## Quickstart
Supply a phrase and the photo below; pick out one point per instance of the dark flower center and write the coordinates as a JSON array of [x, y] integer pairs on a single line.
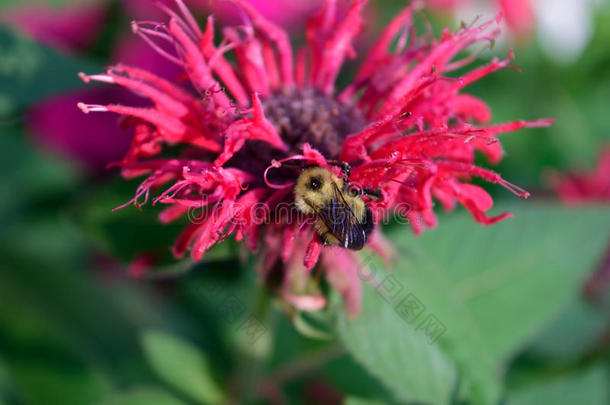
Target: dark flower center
[[309, 116], [301, 116]]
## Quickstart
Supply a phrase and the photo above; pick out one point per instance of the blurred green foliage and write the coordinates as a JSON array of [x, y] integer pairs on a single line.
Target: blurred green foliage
[[75, 330], [30, 72], [11, 4]]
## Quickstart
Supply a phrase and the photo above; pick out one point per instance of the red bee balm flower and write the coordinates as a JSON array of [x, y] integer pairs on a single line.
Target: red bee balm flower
[[247, 129]]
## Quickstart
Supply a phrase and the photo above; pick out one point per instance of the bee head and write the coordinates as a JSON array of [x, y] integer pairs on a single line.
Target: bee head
[[314, 188], [315, 183]]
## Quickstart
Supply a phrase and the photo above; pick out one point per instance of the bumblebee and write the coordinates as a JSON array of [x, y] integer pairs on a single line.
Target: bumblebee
[[342, 218]]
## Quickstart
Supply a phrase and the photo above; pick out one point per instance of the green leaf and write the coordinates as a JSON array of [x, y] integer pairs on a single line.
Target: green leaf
[[143, 396], [8, 4], [396, 353], [49, 301], [418, 335], [588, 386], [30, 72], [361, 401], [480, 293], [516, 276], [5, 378], [579, 325], [55, 383], [181, 365], [31, 181], [350, 377]]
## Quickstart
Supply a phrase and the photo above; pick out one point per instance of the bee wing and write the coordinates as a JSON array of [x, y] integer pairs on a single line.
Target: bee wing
[[341, 221]]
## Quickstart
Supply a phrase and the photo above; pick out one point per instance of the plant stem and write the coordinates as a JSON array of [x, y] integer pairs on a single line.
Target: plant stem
[[249, 366]]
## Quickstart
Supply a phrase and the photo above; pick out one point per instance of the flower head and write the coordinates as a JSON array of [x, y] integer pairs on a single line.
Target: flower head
[[240, 131]]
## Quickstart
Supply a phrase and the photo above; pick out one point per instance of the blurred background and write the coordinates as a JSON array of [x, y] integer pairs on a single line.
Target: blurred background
[[83, 319]]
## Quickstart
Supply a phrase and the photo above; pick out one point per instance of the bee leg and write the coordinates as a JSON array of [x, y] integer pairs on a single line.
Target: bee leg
[[344, 166], [324, 238]]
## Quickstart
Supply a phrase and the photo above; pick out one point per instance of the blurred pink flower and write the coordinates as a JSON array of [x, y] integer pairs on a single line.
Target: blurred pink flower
[[288, 14], [585, 186], [58, 126], [445, 5], [519, 15], [73, 27]]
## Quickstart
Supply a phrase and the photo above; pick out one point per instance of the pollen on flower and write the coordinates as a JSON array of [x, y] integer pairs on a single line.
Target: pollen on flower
[[247, 125]]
